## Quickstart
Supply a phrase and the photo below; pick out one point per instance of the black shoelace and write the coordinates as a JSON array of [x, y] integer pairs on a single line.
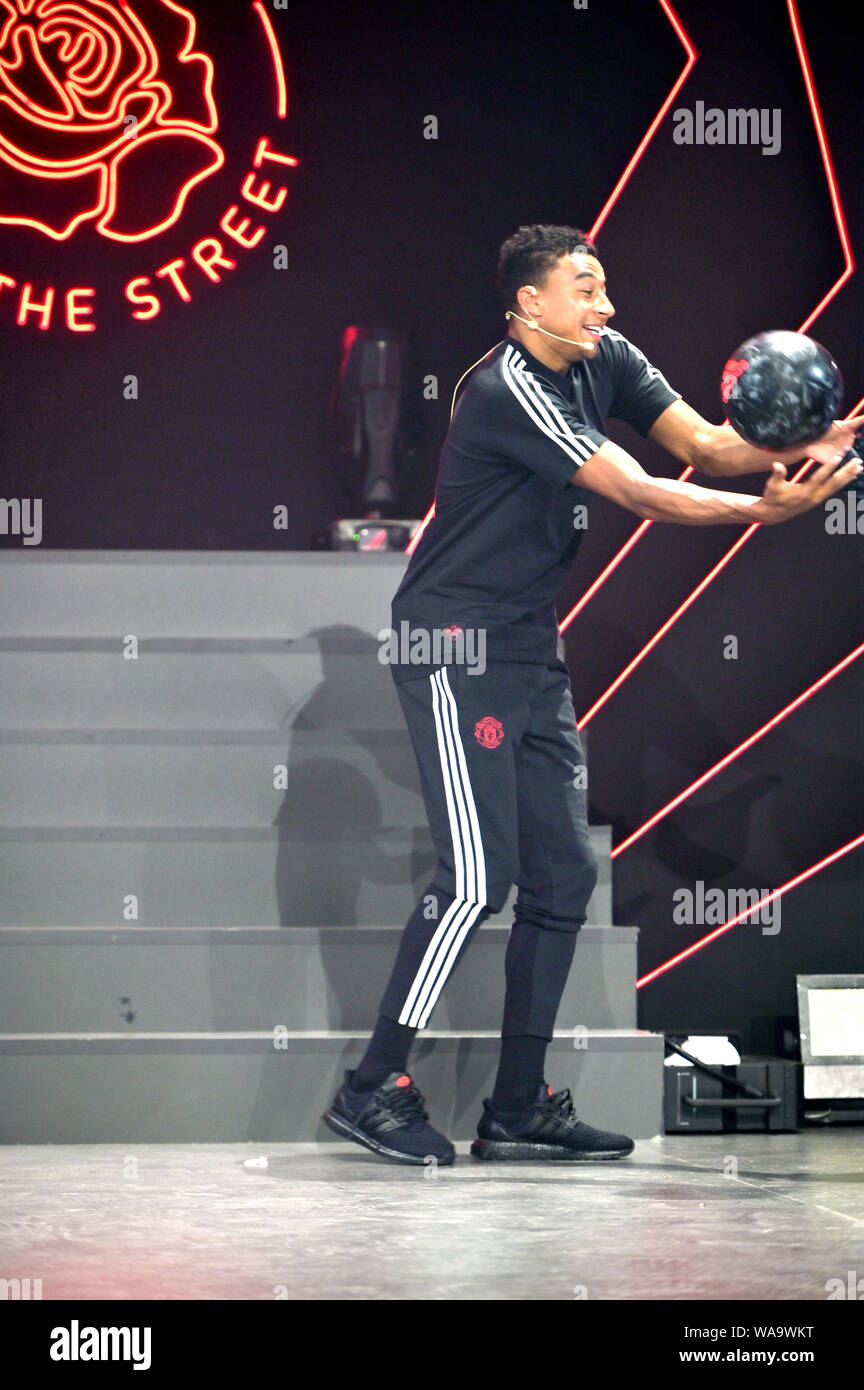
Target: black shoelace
[[406, 1105], [561, 1103]]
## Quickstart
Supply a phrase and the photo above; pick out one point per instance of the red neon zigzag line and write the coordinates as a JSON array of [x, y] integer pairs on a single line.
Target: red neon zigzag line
[[733, 921], [847, 271], [849, 266], [409, 549], [619, 187], [640, 149], [605, 573], [682, 608], [829, 167], [742, 747]]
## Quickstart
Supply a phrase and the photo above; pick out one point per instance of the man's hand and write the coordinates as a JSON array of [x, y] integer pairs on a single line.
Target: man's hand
[[782, 500], [836, 441], [615, 474], [719, 452]]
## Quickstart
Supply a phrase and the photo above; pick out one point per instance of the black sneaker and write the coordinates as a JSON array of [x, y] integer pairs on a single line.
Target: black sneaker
[[547, 1129], [390, 1121]]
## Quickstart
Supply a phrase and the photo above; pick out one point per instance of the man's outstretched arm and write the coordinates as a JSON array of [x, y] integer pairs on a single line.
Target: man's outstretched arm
[[615, 474], [719, 452]]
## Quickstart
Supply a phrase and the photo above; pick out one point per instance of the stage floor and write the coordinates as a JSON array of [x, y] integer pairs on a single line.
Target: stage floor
[[702, 1217]]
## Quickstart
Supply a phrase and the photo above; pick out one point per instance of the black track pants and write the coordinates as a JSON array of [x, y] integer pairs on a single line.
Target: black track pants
[[502, 774]]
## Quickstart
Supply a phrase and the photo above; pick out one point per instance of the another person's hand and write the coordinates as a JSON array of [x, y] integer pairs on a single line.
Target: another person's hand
[[836, 441]]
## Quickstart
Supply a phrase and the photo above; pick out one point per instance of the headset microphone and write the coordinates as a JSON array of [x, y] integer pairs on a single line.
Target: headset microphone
[[532, 323]]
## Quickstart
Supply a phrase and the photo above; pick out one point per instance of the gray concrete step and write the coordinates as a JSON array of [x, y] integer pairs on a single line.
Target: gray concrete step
[[146, 980], [152, 594], [211, 1087], [331, 778], [200, 688], [328, 873]]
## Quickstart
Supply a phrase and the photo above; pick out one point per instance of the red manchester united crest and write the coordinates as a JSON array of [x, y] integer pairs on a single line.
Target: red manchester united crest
[[489, 731]]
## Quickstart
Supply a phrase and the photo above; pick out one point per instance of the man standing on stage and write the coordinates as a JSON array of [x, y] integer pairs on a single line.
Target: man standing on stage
[[489, 706]]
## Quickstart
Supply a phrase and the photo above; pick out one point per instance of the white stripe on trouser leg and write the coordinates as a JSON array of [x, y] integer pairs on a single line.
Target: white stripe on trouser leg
[[464, 829], [480, 885], [452, 925], [458, 929], [468, 859], [474, 910], [450, 796], [455, 812], [408, 1012], [460, 831]]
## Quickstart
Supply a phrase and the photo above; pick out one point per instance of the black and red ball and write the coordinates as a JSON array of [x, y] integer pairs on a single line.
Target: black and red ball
[[781, 390]]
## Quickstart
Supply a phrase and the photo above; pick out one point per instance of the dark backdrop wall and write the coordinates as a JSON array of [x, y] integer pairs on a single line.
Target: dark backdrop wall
[[537, 115]]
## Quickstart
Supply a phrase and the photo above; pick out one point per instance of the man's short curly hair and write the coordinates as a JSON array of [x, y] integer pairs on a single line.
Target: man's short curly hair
[[529, 254]]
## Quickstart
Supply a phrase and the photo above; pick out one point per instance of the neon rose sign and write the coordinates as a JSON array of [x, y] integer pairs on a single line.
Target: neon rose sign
[[94, 108]]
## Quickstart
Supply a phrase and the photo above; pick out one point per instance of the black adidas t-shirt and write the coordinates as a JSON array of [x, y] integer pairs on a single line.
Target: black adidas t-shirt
[[508, 522]]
